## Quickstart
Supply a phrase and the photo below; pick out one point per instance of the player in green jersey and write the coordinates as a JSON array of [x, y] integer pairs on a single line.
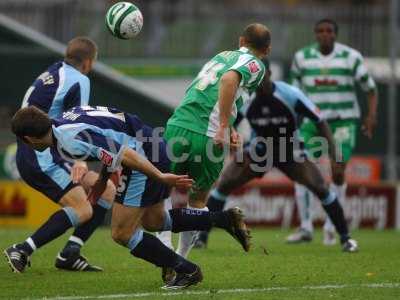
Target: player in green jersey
[[328, 72], [201, 125]]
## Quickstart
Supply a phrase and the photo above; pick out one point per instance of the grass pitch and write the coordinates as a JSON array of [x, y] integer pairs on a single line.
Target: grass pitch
[[272, 270]]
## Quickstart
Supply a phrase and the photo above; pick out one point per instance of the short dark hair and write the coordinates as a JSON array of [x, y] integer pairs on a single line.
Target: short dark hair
[[257, 36], [329, 21], [79, 49], [30, 121]]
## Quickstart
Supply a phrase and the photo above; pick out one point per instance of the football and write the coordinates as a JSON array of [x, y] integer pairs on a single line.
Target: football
[[124, 20]]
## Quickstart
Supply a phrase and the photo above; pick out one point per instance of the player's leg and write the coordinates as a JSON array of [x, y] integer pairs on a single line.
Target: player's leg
[[204, 166], [304, 199], [76, 210], [338, 186], [344, 133], [128, 210], [178, 153], [68, 257], [307, 173], [166, 236], [303, 196], [155, 218]]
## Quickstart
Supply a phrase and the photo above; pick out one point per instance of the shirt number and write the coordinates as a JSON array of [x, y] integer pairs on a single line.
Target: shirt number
[[208, 75]]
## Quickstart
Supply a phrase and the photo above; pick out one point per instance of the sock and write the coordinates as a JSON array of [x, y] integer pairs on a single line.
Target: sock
[[150, 249], [304, 199], [166, 236], [188, 238], [55, 226], [340, 191], [216, 200], [336, 214], [83, 232]]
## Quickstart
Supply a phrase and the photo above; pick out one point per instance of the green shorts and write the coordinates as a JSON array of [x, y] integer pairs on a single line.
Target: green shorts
[[194, 154], [344, 133]]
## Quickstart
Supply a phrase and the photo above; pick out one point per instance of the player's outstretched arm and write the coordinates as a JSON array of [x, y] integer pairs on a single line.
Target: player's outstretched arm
[[135, 161], [228, 86]]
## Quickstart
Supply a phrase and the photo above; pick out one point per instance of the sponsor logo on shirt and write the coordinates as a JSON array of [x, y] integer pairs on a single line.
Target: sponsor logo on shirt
[[253, 67], [325, 82], [106, 158]]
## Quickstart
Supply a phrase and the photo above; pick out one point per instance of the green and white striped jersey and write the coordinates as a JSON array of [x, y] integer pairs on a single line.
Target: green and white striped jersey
[[199, 110], [329, 80]]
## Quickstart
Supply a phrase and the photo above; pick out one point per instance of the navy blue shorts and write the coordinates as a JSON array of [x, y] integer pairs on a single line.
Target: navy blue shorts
[[46, 172], [137, 190]]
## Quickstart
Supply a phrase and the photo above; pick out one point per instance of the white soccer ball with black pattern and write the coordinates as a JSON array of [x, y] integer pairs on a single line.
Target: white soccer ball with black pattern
[[124, 20]]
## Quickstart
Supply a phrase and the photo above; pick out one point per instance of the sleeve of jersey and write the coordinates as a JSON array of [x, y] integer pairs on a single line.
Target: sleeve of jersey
[[250, 69], [88, 145], [85, 91], [305, 107], [362, 76]]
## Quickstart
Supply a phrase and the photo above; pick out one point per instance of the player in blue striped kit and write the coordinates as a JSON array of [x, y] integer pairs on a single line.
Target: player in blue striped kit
[[62, 86], [121, 141]]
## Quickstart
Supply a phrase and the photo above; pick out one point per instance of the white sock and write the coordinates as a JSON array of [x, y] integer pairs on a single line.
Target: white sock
[[166, 236], [340, 191], [304, 200], [188, 238]]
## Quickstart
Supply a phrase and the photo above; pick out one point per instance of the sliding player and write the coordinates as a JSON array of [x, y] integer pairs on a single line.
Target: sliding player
[[120, 139]]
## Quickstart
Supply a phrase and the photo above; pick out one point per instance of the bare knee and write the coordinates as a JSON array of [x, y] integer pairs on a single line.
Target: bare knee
[[338, 174], [84, 212], [121, 235], [152, 224], [320, 189], [339, 178], [77, 200]]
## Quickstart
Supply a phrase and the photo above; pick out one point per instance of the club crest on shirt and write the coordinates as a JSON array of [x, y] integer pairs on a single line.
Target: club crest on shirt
[[253, 66], [106, 158]]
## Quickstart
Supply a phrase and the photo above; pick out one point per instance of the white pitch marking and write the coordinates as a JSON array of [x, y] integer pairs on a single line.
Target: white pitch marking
[[226, 291]]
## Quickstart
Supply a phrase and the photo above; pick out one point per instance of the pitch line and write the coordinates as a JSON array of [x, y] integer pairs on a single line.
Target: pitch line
[[227, 291]]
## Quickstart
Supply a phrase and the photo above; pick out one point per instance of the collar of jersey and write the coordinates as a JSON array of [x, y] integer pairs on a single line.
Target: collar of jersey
[[244, 49], [330, 55]]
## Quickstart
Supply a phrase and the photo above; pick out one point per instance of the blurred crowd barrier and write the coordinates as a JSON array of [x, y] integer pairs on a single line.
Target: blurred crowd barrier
[[197, 29]]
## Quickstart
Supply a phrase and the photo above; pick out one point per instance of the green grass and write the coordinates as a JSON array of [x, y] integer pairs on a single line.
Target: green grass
[[224, 265]]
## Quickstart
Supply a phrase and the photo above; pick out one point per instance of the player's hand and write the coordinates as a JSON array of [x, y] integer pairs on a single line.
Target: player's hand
[[78, 170], [179, 181], [236, 140], [222, 137], [369, 126]]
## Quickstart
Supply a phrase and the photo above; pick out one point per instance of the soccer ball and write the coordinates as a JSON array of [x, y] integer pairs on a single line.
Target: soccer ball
[[124, 20]]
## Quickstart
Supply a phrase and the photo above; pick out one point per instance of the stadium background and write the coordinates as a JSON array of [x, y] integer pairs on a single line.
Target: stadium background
[[177, 38]]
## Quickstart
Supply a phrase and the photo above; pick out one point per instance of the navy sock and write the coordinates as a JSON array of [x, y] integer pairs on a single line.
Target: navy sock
[[83, 232], [151, 249], [184, 219], [55, 226], [214, 205], [336, 214]]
